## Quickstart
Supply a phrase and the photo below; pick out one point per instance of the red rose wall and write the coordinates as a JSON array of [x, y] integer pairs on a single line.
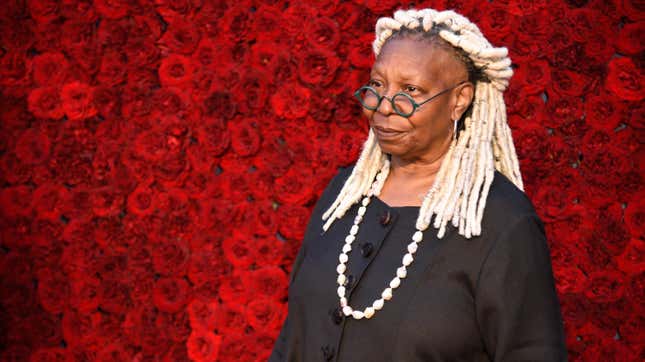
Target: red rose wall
[[159, 161]]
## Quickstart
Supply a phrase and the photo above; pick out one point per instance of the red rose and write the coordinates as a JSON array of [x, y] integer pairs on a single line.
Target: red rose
[[77, 101], [210, 52], [323, 32], [563, 111], [115, 295], [636, 118], [596, 164], [608, 349], [232, 318], [112, 9], [251, 91], [140, 329], [171, 294], [216, 212], [531, 141], [14, 73], [245, 137], [203, 345], [106, 201], [293, 221], [632, 260], [175, 325], [141, 53], [52, 354], [16, 201], [569, 83], [180, 37], [625, 79], [237, 249], [265, 314], [274, 157], [176, 70], [602, 111], [498, 19], [206, 266], [291, 101], [598, 47], [50, 69], [534, 76], [268, 250], [577, 224], [282, 68], [170, 258], [293, 187], [53, 290], [268, 16], [261, 218], [114, 69], [234, 182], [596, 141], [140, 201], [360, 53], [85, 293], [213, 136], [635, 214], [203, 314], [114, 351], [318, 66], [632, 329], [263, 53], [628, 39], [233, 290], [33, 146], [551, 201], [610, 230], [569, 279], [347, 145], [380, 7], [45, 233], [636, 288], [46, 103], [268, 281], [236, 23]]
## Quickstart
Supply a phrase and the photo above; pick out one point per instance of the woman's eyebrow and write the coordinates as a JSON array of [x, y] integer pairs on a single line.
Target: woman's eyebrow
[[401, 76]]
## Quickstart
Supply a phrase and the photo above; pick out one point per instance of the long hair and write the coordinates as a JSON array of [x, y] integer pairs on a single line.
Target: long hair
[[458, 194]]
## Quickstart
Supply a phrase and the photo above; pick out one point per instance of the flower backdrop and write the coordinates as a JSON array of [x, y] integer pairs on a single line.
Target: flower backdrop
[[159, 160]]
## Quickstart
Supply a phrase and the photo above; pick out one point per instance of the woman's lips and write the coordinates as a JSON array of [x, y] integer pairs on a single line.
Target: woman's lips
[[386, 132]]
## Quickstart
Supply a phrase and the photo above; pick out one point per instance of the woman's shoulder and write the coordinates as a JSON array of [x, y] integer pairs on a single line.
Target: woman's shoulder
[[506, 203]]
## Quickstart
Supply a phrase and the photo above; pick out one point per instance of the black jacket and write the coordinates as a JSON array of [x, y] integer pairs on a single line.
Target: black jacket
[[488, 298]]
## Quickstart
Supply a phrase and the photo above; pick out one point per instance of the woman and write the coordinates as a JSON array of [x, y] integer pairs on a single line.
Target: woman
[[373, 281]]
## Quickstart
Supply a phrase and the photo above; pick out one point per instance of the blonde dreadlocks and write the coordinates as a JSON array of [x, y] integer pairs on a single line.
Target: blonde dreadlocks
[[461, 186]]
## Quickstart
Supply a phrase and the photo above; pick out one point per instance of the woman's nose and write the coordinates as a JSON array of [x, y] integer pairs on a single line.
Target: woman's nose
[[385, 107]]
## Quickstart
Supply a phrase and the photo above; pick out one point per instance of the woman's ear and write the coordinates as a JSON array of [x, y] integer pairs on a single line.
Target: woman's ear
[[463, 99]]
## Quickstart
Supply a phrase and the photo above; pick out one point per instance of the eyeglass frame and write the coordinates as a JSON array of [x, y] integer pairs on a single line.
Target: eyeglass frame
[[415, 105]]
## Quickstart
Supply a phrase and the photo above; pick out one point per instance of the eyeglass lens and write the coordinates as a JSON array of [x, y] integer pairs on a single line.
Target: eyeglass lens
[[402, 104]]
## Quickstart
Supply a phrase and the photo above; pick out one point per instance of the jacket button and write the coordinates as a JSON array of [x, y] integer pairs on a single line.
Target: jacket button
[[385, 218], [328, 352], [350, 281], [337, 315], [366, 249]]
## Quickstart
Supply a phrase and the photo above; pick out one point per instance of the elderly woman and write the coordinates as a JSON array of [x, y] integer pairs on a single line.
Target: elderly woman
[[373, 281]]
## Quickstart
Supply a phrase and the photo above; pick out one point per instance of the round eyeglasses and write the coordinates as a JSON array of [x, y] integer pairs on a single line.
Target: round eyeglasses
[[402, 103]]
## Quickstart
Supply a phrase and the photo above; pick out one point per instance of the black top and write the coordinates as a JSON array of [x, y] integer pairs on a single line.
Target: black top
[[488, 298]]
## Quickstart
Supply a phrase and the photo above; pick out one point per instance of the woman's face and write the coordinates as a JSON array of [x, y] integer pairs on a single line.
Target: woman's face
[[420, 69]]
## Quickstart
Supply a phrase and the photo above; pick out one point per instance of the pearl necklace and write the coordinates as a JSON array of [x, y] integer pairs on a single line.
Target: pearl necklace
[[401, 272]]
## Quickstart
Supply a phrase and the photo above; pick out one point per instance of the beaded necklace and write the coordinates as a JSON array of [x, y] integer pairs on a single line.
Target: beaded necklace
[[401, 272]]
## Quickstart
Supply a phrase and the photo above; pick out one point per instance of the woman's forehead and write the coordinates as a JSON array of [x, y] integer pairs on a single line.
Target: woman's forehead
[[411, 58]]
